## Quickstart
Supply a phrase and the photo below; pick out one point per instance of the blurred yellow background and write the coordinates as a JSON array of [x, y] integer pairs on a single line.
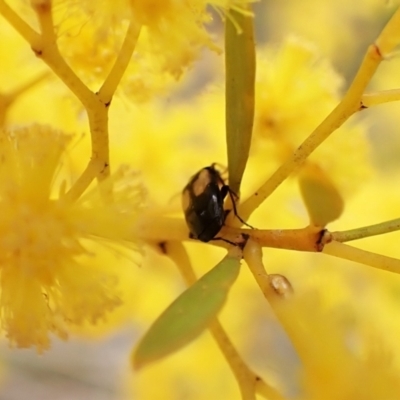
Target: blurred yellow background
[[170, 135]]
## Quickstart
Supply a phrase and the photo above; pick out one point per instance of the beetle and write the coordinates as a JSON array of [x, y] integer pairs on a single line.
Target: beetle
[[203, 203]]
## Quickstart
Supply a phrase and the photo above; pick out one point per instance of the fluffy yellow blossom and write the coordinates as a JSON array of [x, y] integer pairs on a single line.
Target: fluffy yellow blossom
[[296, 89], [177, 28], [172, 35], [50, 274]]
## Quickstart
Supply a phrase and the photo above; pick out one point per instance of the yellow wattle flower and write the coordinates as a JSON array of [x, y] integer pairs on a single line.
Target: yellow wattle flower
[[296, 89], [50, 274], [173, 33]]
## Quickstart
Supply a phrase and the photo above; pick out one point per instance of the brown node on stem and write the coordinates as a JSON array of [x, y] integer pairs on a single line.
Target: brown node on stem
[[41, 6]]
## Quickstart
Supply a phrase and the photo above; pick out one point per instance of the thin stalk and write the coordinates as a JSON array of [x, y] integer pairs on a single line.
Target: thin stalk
[[248, 381], [29, 34], [381, 97], [367, 231], [113, 79], [374, 260]]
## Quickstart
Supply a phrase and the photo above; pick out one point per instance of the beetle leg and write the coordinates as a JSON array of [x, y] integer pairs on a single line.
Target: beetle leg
[[225, 240], [234, 198], [224, 191]]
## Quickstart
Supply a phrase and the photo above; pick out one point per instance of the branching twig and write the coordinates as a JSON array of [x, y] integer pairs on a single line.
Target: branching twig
[[351, 103], [45, 47], [113, 79], [162, 229]]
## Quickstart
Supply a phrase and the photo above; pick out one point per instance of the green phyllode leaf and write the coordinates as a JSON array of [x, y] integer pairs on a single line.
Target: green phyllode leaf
[[321, 197], [190, 314], [240, 67]]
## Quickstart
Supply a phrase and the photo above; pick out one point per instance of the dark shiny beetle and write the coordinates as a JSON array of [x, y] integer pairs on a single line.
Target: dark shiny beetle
[[203, 203]]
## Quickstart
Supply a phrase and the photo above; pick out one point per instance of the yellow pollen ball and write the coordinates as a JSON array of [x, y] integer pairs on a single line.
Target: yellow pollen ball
[[50, 274]]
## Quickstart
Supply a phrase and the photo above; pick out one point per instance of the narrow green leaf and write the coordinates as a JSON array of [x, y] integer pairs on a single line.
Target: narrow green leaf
[[240, 67], [190, 313], [320, 195]]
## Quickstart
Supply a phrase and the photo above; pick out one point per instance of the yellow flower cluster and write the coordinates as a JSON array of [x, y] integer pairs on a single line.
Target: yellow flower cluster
[[296, 89], [173, 33], [50, 275]]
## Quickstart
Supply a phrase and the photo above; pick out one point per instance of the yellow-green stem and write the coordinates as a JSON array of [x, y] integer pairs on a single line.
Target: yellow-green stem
[[83, 182], [29, 34], [389, 38], [367, 231], [44, 13], [374, 260], [381, 97], [113, 79], [253, 257]]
